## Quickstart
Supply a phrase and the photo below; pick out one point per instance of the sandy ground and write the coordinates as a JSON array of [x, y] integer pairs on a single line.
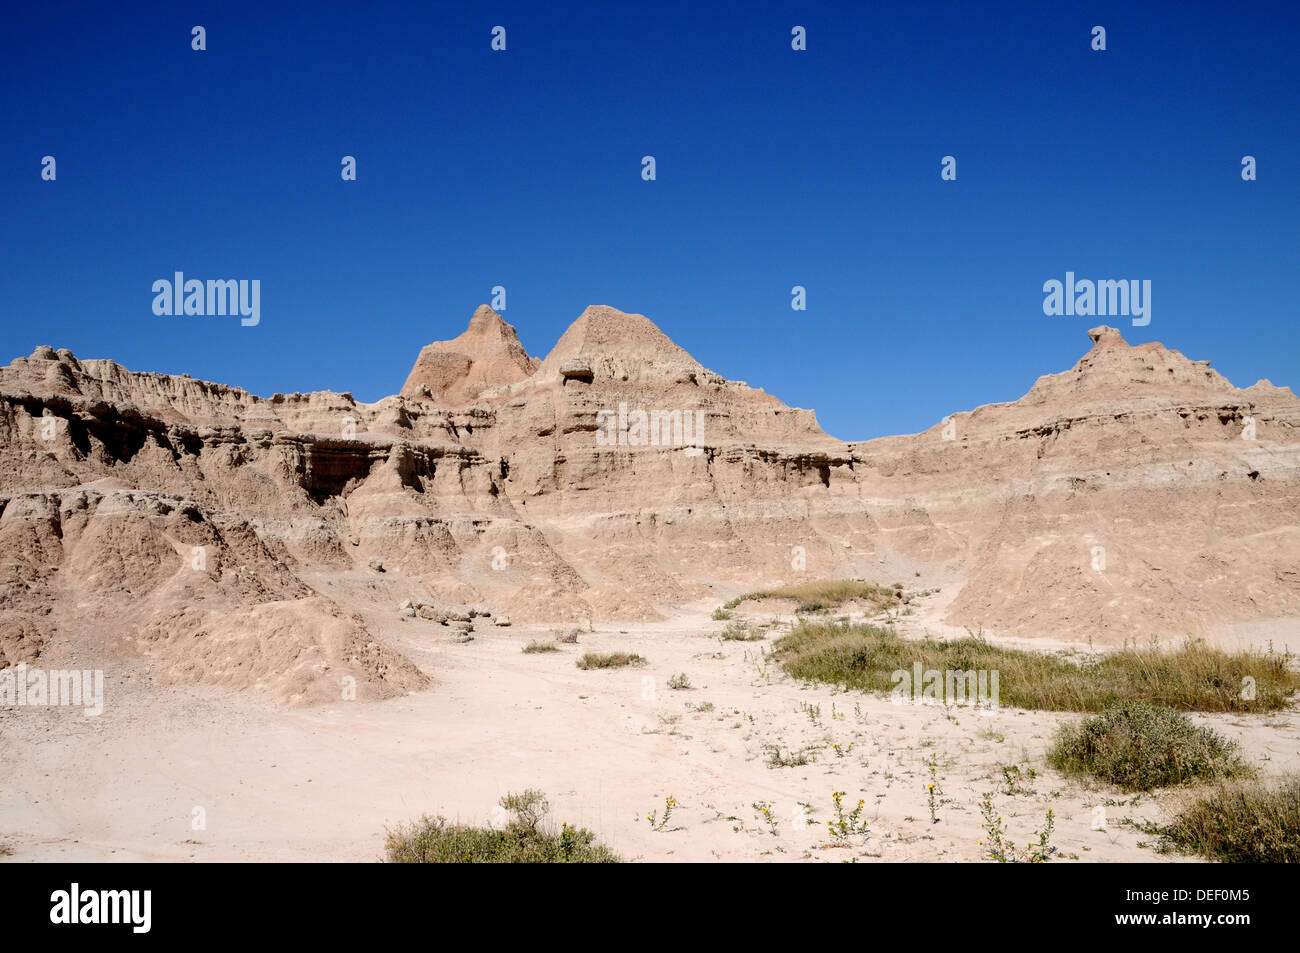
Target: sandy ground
[[321, 784]]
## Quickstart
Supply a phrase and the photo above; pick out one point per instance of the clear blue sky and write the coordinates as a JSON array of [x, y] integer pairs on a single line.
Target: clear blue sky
[[775, 168]]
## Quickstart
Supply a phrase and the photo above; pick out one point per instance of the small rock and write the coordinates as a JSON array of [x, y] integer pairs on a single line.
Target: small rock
[[463, 637], [502, 620], [376, 564], [576, 370], [479, 610], [407, 613]]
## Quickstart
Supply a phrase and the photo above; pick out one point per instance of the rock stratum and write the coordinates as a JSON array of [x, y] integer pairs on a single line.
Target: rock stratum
[[211, 536]]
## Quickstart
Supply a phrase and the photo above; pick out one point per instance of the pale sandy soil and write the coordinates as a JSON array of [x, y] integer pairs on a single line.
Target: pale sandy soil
[[321, 784]]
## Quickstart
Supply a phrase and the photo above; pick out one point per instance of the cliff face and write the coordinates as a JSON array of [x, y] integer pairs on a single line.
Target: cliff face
[[1116, 500]]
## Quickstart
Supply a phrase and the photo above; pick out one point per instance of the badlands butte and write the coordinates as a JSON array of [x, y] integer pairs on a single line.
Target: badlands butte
[[204, 535]]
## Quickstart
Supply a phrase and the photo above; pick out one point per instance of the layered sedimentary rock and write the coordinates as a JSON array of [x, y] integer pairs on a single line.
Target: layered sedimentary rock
[[220, 537]]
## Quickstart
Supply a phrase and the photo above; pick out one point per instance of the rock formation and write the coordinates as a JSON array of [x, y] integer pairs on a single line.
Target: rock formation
[[213, 536]]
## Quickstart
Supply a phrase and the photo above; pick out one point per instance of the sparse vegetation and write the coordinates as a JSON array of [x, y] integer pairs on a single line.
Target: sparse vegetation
[[679, 682], [609, 660], [997, 847], [740, 631], [933, 792], [1241, 822], [1138, 747], [533, 647], [523, 840], [659, 822], [568, 637], [824, 594], [788, 759], [846, 823], [1192, 677], [1015, 779], [721, 615]]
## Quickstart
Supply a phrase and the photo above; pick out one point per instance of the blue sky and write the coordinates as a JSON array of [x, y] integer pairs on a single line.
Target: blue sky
[[775, 168]]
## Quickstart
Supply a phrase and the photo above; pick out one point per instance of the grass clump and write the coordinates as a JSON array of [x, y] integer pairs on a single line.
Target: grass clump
[[824, 594], [739, 631], [679, 682], [609, 660], [1241, 822], [1193, 677], [534, 647], [524, 839], [720, 614], [790, 758], [1138, 747]]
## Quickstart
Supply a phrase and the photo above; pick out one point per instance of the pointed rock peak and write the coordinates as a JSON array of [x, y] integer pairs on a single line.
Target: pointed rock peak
[[613, 344], [485, 319], [486, 355], [1105, 335], [601, 329], [599, 323]]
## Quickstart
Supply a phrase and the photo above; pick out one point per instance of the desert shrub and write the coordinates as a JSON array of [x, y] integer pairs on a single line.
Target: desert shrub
[[568, 637], [790, 758], [823, 594], [720, 614], [533, 647], [739, 631], [679, 682], [1137, 746], [523, 840], [609, 660], [1192, 677], [1241, 822]]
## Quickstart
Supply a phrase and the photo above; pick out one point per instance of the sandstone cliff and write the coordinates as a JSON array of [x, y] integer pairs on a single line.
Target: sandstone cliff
[[215, 536]]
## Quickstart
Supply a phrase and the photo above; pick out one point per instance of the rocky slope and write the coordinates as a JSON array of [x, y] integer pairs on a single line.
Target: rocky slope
[[214, 536]]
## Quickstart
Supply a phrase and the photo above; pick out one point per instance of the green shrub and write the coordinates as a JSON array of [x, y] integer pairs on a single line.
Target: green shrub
[[523, 840], [609, 660], [1137, 746], [533, 647], [1242, 822], [739, 631]]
